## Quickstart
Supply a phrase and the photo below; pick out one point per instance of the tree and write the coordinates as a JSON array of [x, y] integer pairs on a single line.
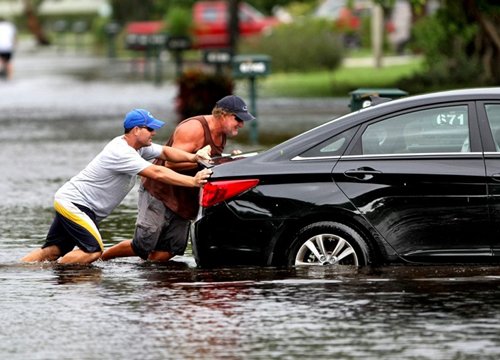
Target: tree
[[486, 43], [462, 42], [30, 11], [143, 10], [133, 10]]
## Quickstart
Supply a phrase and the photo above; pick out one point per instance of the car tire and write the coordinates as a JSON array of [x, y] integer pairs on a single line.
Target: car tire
[[328, 243]]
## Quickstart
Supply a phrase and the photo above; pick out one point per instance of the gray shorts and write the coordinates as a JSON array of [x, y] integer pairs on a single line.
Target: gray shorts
[[158, 228]]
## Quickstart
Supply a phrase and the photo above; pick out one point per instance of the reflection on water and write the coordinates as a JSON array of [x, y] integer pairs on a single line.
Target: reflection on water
[[136, 309], [132, 309]]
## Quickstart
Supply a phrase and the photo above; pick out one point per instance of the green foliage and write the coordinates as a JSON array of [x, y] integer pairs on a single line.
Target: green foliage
[[99, 31], [447, 73], [178, 21], [133, 10], [300, 8], [300, 46], [162, 7], [439, 37], [199, 91], [446, 39]]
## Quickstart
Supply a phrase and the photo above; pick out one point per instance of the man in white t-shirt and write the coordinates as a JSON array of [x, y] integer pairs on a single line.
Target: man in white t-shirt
[[7, 44], [90, 196]]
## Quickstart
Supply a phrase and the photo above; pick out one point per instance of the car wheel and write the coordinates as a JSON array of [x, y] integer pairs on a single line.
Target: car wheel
[[328, 243]]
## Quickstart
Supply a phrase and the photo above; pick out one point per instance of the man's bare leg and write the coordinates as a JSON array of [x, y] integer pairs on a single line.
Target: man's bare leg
[[160, 256], [50, 253], [9, 71], [78, 256], [122, 249]]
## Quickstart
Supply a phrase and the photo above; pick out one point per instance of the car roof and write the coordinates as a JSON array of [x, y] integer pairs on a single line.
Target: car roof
[[471, 94], [459, 94]]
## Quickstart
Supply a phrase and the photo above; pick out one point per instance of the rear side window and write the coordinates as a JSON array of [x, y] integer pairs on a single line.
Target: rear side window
[[210, 14], [438, 130], [334, 146], [493, 113]]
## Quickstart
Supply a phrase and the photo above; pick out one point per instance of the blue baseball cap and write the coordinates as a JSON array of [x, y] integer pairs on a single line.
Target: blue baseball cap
[[141, 117]]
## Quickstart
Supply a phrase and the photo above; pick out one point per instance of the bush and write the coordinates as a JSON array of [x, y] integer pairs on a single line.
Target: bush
[[178, 21], [199, 91], [448, 61], [308, 45]]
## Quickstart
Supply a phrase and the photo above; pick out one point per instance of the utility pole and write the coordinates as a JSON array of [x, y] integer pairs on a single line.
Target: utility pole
[[377, 34], [233, 26]]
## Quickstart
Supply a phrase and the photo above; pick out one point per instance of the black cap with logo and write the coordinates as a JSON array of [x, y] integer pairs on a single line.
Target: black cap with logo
[[235, 105]]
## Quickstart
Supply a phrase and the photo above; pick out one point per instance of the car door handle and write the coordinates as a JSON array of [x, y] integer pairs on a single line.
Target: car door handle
[[496, 177], [363, 173]]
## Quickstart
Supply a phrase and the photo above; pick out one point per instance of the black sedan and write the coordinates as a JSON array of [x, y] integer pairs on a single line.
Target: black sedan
[[410, 180]]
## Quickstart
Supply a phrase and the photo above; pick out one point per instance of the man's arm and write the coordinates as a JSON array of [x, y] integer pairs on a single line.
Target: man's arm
[[165, 175], [172, 154], [189, 137]]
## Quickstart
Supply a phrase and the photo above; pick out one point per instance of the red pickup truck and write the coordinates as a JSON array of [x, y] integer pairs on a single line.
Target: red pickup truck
[[210, 25], [211, 19]]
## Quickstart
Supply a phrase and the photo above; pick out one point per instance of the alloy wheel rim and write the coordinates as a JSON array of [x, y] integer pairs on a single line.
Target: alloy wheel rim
[[326, 249]]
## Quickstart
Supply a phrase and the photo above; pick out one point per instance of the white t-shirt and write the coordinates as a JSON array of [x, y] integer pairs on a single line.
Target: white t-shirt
[[7, 36], [109, 177]]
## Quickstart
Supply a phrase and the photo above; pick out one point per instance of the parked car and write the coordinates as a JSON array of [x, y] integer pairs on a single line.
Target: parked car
[[209, 27], [413, 180], [211, 21]]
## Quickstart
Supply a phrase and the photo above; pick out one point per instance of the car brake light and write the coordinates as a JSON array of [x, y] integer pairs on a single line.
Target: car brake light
[[215, 192]]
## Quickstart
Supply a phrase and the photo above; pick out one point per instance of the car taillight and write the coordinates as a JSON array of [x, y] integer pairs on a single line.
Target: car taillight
[[218, 191]]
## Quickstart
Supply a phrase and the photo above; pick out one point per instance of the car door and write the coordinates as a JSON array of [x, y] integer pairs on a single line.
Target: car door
[[489, 116], [419, 178]]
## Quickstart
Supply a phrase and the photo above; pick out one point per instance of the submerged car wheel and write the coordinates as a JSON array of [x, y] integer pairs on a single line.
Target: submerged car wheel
[[328, 243]]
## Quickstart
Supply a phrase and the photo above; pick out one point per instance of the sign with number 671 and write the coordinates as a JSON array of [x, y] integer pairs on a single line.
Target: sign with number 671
[[451, 119]]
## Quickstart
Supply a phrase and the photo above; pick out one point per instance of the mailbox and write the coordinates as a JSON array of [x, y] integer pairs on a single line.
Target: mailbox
[[60, 26], [178, 43], [251, 65], [111, 29], [136, 41], [157, 40], [217, 56]]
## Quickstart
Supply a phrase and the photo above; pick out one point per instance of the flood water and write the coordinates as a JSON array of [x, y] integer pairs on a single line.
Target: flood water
[[130, 309]]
